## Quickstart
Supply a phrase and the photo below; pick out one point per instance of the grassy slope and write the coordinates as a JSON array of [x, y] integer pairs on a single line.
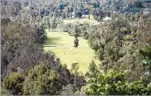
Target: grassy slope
[[82, 55]]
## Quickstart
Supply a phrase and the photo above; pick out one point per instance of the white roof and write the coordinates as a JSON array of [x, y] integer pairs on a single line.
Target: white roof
[[107, 19]]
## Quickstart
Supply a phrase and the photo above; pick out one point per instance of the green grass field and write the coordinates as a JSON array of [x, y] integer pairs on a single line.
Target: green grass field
[[62, 45], [91, 21]]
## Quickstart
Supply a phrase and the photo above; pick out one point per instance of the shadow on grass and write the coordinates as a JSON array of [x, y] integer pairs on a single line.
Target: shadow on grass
[[52, 41]]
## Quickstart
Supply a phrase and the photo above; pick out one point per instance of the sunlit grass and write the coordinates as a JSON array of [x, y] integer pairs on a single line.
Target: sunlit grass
[[90, 21], [83, 55]]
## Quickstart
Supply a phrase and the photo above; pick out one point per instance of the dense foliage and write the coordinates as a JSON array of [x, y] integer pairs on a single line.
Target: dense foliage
[[117, 45], [21, 43], [14, 83], [114, 83], [42, 79]]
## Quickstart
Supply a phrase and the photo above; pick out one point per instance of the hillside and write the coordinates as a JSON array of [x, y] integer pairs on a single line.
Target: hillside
[[75, 47]]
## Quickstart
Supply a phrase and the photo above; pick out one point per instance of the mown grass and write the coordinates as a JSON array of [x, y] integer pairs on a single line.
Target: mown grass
[[83, 55]]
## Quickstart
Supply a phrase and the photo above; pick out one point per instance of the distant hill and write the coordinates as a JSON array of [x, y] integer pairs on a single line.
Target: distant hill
[[126, 6]]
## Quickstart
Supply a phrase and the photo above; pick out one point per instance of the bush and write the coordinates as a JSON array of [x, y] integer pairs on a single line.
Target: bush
[[114, 83], [13, 83], [42, 81]]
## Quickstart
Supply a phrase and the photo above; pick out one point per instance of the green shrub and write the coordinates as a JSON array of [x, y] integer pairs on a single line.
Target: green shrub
[[13, 83], [114, 83], [41, 80]]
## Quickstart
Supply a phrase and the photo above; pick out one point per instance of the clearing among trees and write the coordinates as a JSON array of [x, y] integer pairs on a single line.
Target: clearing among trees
[[62, 45]]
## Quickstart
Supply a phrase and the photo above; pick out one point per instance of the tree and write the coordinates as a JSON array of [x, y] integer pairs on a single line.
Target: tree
[[42, 81], [67, 90], [93, 71], [76, 42]]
